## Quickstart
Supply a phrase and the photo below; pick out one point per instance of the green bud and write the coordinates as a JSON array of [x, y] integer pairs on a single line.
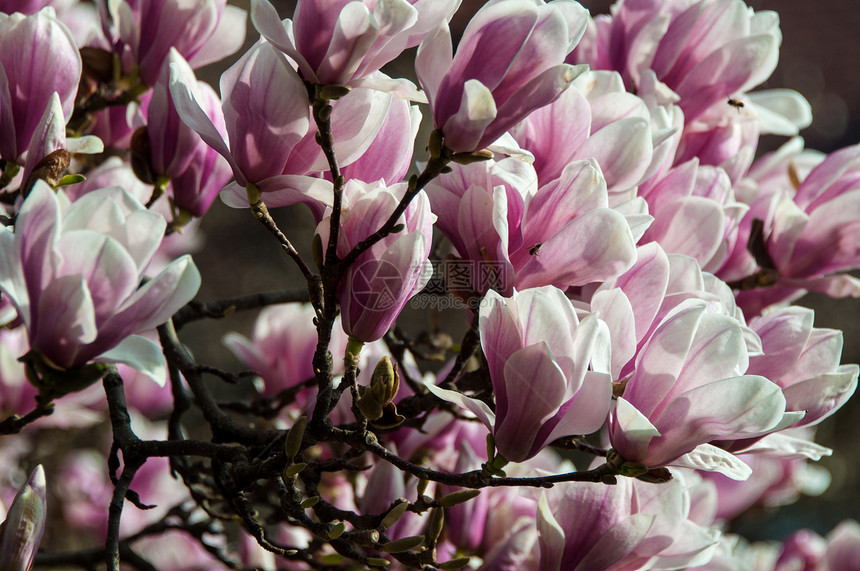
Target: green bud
[[385, 381], [435, 525], [324, 113], [384, 384], [333, 91], [435, 145], [458, 498], [402, 544], [332, 559], [292, 471], [632, 469], [317, 250], [378, 562], [422, 486], [394, 514], [473, 157], [454, 564], [310, 502], [336, 529], [71, 179], [293, 442]]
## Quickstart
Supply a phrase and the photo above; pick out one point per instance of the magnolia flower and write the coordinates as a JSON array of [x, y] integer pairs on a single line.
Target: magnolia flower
[[625, 526], [143, 32], [509, 62], [74, 270], [376, 287], [266, 115], [548, 370], [689, 388], [196, 171], [561, 233], [595, 119], [343, 42], [28, 43]]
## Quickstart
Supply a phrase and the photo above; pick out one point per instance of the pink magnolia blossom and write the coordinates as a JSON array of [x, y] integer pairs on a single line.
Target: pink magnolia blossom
[[343, 42], [705, 51], [79, 306], [508, 63], [266, 115], [809, 226], [376, 287], [548, 370], [142, 32], [595, 119], [777, 479], [689, 388], [695, 213], [625, 526], [561, 233], [804, 361], [27, 43], [196, 171], [50, 136]]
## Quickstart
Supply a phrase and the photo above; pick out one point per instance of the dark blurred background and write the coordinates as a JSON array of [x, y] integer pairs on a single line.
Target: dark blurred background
[[818, 58]]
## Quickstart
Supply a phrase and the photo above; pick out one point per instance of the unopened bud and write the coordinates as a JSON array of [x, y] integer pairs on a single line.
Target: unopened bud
[[310, 502], [458, 497], [402, 544], [292, 471], [434, 527], [435, 144], [378, 562], [24, 525], [422, 486], [392, 516], [70, 179], [454, 564], [50, 169], [336, 529], [293, 442], [384, 384], [473, 157]]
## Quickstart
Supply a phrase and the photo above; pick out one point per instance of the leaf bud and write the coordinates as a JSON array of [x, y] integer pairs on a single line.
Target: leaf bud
[[394, 514], [458, 497], [402, 544], [454, 564], [336, 529], [293, 442], [292, 471]]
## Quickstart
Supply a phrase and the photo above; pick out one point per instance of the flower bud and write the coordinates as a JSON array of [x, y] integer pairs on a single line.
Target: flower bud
[[384, 384], [458, 497], [392, 516], [25, 524], [403, 544]]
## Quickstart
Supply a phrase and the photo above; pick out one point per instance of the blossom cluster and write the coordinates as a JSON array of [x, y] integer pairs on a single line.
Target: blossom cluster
[[632, 377]]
